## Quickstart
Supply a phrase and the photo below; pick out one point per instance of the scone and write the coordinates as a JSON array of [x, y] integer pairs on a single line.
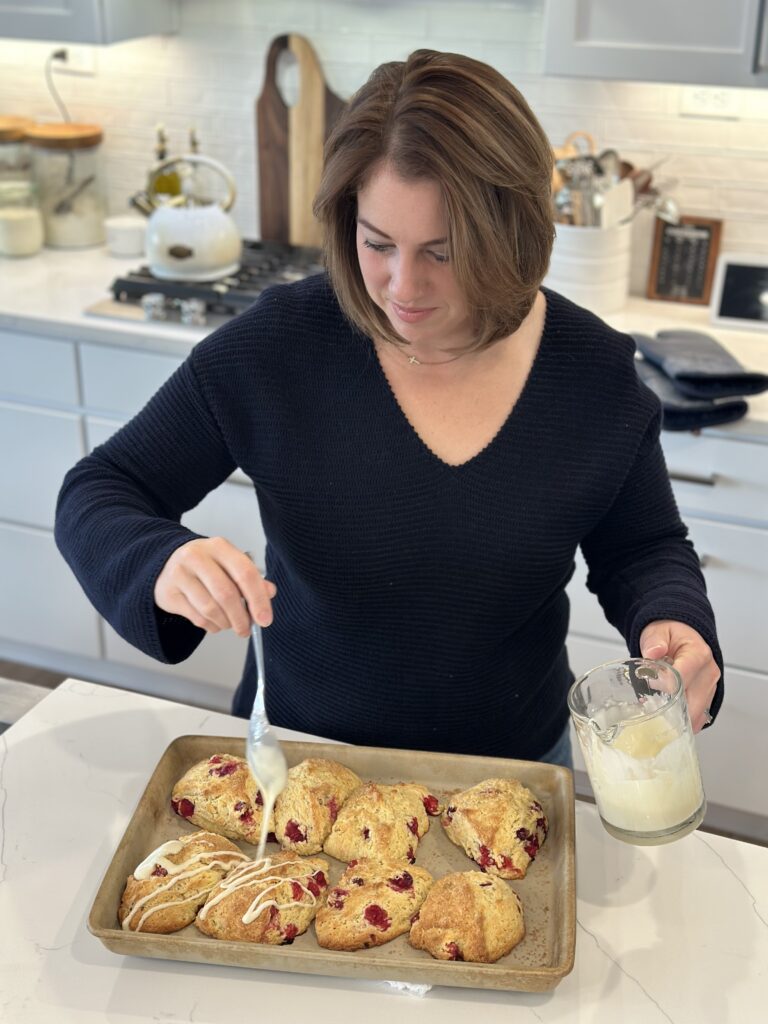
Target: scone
[[220, 794], [166, 890], [499, 823], [271, 900], [382, 822], [308, 806], [469, 916], [373, 903]]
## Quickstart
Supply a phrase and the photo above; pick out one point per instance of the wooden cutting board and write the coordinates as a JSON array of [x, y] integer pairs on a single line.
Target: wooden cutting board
[[290, 145]]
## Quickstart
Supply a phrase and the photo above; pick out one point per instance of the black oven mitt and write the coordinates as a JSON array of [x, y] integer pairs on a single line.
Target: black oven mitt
[[681, 413], [699, 366]]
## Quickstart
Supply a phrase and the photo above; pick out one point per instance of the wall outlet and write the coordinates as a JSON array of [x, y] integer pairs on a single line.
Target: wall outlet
[[80, 60], [711, 101]]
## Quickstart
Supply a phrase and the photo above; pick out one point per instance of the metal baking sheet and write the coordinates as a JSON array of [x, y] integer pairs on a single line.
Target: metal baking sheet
[[548, 892]]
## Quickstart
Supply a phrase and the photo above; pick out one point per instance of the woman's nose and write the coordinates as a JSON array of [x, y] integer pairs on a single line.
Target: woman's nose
[[405, 283]]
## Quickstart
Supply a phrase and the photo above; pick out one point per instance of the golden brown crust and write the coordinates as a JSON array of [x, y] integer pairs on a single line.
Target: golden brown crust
[[381, 822], [203, 860], [220, 794], [499, 824], [372, 903], [469, 916], [308, 806], [269, 901]]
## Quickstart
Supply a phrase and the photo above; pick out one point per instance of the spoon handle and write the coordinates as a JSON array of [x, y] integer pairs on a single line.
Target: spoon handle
[[259, 705]]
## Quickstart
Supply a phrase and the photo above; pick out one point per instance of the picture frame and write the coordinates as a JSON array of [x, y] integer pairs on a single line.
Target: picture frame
[[740, 292], [683, 260]]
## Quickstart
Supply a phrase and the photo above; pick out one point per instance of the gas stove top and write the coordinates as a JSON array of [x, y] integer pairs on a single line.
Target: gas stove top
[[139, 295]]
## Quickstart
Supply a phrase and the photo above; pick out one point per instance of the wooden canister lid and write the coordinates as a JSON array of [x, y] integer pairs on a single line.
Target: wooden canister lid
[[13, 129], [64, 135]]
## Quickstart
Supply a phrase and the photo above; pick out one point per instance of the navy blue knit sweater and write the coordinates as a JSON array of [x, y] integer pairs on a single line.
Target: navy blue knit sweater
[[419, 605]]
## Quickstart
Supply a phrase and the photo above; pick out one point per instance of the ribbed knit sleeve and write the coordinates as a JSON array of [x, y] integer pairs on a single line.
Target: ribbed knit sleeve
[[118, 512], [642, 567]]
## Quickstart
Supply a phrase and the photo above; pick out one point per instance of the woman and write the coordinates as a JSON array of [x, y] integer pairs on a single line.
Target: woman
[[430, 434]]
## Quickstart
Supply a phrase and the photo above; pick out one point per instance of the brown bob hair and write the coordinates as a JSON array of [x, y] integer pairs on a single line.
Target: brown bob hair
[[459, 122]]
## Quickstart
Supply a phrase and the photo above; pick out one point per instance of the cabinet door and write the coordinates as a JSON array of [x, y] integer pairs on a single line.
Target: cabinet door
[[735, 566], [37, 369], [730, 753], [86, 21], [36, 450], [122, 380], [41, 602], [698, 41]]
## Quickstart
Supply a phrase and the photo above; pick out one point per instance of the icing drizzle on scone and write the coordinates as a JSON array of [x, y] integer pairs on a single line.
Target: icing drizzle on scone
[[158, 864], [257, 872]]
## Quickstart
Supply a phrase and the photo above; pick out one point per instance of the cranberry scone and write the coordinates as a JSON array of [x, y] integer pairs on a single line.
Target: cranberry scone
[[382, 822], [373, 903], [271, 900], [309, 805], [469, 916], [220, 794], [499, 824], [167, 889]]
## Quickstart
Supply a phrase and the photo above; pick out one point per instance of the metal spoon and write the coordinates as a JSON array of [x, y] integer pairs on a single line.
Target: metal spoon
[[262, 749]]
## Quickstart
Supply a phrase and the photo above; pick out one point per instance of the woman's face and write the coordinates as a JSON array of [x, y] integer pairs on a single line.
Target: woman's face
[[402, 247]]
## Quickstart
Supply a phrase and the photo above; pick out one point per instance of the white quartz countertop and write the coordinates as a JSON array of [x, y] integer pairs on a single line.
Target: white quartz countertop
[[671, 933], [48, 294]]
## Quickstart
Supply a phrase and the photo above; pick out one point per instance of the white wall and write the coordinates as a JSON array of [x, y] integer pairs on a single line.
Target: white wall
[[210, 75]]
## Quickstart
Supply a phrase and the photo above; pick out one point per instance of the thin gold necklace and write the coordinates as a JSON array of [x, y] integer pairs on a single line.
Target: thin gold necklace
[[415, 361]]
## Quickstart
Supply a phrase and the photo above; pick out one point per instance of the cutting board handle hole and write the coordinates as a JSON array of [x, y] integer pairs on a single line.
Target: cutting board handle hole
[[287, 78]]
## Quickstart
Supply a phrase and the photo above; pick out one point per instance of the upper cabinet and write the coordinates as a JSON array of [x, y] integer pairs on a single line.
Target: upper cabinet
[[87, 21], [707, 42]]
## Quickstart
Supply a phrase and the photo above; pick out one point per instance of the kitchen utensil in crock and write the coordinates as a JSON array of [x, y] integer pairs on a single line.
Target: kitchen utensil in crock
[[290, 144], [190, 240]]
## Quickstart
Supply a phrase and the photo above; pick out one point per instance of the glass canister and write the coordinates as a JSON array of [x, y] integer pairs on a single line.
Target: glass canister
[[631, 718], [21, 225], [15, 161], [66, 170]]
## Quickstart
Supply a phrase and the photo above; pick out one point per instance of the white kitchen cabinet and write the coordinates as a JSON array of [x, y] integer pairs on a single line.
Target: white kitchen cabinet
[[721, 487], [706, 42], [87, 21], [121, 380], [37, 447], [37, 369], [41, 602]]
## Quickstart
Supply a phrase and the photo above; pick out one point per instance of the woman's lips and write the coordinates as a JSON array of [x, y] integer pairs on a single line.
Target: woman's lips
[[411, 315]]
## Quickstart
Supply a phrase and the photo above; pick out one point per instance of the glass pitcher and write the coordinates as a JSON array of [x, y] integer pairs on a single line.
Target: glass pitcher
[[632, 721]]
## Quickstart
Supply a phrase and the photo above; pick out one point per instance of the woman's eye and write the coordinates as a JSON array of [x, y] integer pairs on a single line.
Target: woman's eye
[[440, 257], [376, 246]]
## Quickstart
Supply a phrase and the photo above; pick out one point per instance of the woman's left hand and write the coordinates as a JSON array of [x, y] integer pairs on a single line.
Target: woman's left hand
[[689, 653]]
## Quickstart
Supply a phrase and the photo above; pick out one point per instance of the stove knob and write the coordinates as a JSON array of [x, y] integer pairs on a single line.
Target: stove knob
[[153, 305], [192, 312]]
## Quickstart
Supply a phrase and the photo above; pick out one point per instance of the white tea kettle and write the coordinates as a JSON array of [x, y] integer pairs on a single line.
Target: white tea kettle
[[187, 240]]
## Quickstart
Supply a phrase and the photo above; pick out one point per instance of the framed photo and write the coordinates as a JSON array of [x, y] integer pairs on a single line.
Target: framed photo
[[683, 260], [740, 291]]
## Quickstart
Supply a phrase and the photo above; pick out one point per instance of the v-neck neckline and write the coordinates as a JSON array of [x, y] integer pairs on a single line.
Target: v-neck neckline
[[507, 423]]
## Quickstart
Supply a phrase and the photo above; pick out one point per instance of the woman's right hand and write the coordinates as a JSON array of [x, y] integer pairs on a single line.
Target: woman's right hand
[[206, 581]]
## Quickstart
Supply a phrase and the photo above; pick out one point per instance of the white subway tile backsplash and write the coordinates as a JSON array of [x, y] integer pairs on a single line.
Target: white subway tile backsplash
[[211, 73]]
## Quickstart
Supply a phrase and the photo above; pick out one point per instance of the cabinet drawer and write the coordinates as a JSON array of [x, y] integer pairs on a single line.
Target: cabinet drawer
[[736, 573], [218, 661], [41, 602], [715, 477], [230, 511], [730, 752], [120, 380], [37, 369], [735, 566], [36, 450]]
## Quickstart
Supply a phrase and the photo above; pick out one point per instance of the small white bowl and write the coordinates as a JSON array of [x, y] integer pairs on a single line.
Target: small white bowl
[[125, 235]]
